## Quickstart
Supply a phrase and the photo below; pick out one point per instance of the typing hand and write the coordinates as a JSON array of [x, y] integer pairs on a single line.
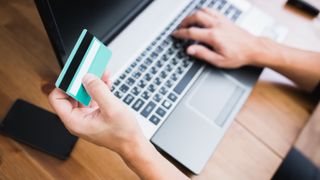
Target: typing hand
[[233, 46], [106, 122]]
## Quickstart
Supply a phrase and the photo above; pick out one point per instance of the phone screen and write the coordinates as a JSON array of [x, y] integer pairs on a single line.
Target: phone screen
[[38, 128]]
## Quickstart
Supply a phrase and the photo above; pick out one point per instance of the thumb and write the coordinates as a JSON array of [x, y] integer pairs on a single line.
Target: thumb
[[208, 55], [98, 90]]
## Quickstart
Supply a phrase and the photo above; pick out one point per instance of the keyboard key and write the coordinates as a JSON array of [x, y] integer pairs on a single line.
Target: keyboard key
[[163, 74], [161, 112], [163, 90], [228, 11], [185, 63], [124, 88], [117, 83], [159, 64], [154, 55], [123, 76], [144, 53], [179, 70], [148, 109], [167, 104], [168, 68], [148, 61], [146, 95], [174, 61], [147, 77], [172, 97], [181, 55], [139, 59], [136, 74], [142, 68], [177, 44], [130, 81], [151, 88], [159, 49], [165, 57], [236, 15], [128, 70], [154, 43], [223, 3], [142, 83], [118, 94], [174, 77], [134, 64], [187, 77], [154, 119], [149, 48], [153, 70], [157, 98], [170, 51], [138, 104], [157, 81], [136, 91], [169, 83], [128, 99]]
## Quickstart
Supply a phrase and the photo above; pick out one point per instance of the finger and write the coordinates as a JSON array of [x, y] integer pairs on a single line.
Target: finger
[[203, 53], [106, 78], [93, 104], [61, 103], [212, 13], [193, 33], [199, 18], [99, 91]]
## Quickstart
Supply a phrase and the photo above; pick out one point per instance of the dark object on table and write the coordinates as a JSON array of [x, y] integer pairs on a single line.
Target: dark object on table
[[296, 167], [304, 7], [38, 128]]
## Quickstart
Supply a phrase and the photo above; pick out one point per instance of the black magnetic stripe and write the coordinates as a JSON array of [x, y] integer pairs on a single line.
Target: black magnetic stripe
[[76, 61]]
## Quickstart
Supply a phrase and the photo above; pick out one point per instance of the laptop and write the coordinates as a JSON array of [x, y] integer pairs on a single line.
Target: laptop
[[183, 106]]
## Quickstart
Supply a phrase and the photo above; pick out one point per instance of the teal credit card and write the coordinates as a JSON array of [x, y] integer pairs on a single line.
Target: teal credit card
[[89, 55]]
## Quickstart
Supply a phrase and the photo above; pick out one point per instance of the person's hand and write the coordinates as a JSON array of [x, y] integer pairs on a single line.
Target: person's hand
[[106, 121], [230, 46]]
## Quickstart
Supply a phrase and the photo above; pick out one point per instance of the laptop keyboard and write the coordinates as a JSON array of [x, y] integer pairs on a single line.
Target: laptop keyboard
[[154, 83]]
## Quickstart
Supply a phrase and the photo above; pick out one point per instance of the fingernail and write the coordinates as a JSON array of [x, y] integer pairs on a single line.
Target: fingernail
[[174, 32], [191, 51], [88, 78]]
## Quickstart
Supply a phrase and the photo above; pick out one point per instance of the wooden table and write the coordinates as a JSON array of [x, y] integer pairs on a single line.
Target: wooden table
[[253, 147]]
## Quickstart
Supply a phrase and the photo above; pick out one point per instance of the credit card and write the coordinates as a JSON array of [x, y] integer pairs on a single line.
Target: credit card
[[89, 55]]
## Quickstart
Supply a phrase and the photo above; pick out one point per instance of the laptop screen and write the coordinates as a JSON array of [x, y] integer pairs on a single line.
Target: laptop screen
[[103, 18]]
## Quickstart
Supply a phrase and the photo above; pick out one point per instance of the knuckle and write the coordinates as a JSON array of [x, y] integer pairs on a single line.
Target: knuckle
[[94, 86], [93, 83], [51, 96], [113, 112], [212, 33], [191, 32], [75, 130], [198, 15]]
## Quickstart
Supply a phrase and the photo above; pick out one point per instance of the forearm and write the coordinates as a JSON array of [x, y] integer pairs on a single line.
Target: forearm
[[148, 163], [302, 67]]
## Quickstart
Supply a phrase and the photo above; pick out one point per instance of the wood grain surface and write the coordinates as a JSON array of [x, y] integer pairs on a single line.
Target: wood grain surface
[[253, 148]]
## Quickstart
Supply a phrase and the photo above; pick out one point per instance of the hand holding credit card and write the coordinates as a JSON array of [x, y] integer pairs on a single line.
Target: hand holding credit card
[[89, 55]]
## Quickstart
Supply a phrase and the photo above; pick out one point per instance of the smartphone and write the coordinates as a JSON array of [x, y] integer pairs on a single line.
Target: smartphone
[[41, 129]]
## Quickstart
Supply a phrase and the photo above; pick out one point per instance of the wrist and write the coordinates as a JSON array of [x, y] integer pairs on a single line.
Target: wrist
[[142, 158], [134, 151], [265, 53]]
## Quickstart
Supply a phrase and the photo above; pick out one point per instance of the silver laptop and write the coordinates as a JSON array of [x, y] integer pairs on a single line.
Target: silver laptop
[[182, 105]]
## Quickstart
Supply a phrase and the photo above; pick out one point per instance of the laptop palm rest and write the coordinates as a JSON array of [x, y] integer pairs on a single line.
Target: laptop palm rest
[[195, 127], [214, 98]]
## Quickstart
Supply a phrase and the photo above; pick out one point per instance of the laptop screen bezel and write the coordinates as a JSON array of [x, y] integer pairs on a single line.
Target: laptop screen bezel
[[53, 32]]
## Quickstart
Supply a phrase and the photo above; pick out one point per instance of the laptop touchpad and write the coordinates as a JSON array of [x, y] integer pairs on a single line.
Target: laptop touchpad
[[214, 97]]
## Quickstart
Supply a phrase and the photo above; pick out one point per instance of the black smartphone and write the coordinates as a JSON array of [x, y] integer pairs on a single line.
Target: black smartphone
[[38, 128]]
